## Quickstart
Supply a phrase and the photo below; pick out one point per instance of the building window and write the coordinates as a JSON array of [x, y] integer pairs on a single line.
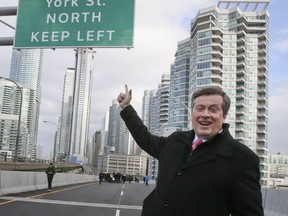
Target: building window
[[204, 42], [203, 81], [203, 65]]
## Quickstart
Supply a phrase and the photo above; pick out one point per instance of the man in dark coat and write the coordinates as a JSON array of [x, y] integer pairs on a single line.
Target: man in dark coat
[[50, 171], [218, 178]]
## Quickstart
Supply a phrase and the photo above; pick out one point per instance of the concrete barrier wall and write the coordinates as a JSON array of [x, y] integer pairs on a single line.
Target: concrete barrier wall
[[275, 202], [18, 181]]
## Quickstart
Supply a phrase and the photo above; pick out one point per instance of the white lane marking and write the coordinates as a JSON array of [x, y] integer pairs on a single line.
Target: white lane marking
[[59, 202], [117, 212], [122, 191]]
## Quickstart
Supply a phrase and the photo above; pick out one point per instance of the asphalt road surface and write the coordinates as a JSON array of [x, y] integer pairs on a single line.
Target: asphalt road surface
[[106, 199]]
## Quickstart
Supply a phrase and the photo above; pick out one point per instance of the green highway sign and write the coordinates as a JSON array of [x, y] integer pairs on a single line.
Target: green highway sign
[[74, 23]]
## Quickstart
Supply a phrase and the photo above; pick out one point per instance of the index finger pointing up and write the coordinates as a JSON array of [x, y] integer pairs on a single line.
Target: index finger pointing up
[[126, 89]]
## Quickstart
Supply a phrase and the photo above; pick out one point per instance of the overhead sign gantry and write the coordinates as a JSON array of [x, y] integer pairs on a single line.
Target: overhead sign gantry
[[74, 23]]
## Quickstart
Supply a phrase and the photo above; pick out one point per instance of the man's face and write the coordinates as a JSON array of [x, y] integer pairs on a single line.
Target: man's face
[[207, 115]]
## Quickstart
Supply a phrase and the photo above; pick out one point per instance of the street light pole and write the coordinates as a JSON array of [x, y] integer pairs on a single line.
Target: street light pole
[[7, 11], [189, 113], [19, 118], [54, 148]]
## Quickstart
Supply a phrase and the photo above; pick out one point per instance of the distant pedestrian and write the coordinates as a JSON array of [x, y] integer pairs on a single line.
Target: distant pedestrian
[[123, 178], [101, 178], [50, 171], [147, 179], [136, 179]]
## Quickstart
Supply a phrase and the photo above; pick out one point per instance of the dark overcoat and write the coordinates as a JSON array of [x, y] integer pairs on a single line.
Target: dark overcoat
[[219, 178]]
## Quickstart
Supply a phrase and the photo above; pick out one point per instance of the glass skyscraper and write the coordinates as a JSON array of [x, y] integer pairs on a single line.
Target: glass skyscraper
[[66, 115], [118, 134], [26, 69], [156, 114], [81, 105], [179, 114], [10, 102]]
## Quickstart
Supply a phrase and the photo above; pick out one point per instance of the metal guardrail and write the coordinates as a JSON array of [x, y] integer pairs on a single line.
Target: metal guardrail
[[25, 166]]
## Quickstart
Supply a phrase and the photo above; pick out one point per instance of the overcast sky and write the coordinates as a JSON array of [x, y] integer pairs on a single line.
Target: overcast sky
[[159, 25]]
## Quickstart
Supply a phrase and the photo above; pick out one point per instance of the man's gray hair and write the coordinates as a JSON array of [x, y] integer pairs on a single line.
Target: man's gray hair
[[212, 90]]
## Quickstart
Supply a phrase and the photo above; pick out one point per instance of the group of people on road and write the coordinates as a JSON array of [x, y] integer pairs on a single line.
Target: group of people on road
[[121, 178], [117, 177]]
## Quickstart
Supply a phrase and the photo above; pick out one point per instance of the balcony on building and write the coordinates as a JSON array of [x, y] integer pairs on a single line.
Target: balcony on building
[[240, 80], [263, 36], [240, 64], [217, 54], [217, 39], [262, 51], [216, 46], [261, 144], [216, 78], [261, 122], [262, 90], [216, 69], [262, 44], [242, 26], [241, 40], [241, 56], [261, 152], [262, 66], [241, 48], [262, 59]]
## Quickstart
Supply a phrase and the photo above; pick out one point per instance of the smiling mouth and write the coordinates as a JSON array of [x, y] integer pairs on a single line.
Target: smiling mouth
[[204, 123]]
